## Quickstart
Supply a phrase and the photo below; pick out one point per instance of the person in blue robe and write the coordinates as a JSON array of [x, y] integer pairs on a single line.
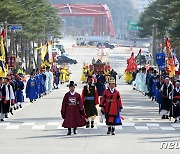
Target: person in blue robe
[[149, 81], [32, 88], [154, 85], [38, 81], [158, 94], [19, 91], [100, 84], [43, 87], [57, 78]]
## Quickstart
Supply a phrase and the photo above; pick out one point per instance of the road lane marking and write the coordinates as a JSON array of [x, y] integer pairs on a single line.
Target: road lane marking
[[12, 127], [28, 123], [53, 123], [38, 127], [167, 128], [152, 124], [141, 128], [128, 124], [4, 123], [176, 125]]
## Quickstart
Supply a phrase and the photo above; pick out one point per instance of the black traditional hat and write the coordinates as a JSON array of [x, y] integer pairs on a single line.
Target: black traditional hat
[[72, 84]]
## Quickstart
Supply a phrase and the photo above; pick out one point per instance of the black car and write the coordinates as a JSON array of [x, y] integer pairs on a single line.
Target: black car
[[106, 44], [65, 59]]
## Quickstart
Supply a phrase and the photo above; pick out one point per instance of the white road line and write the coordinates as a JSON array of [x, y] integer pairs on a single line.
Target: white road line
[[141, 127], [119, 127], [176, 125], [53, 123], [38, 127], [60, 127], [12, 127], [152, 124], [28, 123], [128, 124], [167, 128], [4, 123]]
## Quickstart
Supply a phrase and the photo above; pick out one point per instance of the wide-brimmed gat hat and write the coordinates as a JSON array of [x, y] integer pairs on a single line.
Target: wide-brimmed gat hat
[[112, 80], [71, 84]]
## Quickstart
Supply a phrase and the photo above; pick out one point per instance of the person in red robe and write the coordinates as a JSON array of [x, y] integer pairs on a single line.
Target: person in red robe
[[111, 105], [72, 110], [90, 100]]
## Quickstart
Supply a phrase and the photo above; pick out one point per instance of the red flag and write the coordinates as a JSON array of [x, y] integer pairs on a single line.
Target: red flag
[[3, 33], [168, 46]]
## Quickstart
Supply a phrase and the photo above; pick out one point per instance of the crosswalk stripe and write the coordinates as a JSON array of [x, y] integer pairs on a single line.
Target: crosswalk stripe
[[152, 124], [4, 123], [38, 127], [128, 124], [12, 127], [176, 125], [141, 127], [28, 123], [53, 123], [167, 128], [60, 127]]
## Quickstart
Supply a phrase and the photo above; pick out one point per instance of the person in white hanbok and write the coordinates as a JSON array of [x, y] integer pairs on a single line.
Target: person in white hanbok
[[143, 86], [47, 79], [50, 83]]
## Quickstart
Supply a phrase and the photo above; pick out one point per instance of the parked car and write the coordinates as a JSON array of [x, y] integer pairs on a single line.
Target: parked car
[[65, 59], [105, 44], [61, 48]]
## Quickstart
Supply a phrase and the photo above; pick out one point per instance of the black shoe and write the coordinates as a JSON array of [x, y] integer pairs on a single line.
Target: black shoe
[[69, 131], [163, 117], [11, 111], [92, 124], [2, 119], [113, 131], [167, 117], [14, 108], [6, 116], [75, 131], [109, 131], [17, 107], [88, 125], [175, 121], [20, 106]]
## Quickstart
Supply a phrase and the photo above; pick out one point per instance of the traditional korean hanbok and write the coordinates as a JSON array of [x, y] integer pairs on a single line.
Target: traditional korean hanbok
[[32, 89]]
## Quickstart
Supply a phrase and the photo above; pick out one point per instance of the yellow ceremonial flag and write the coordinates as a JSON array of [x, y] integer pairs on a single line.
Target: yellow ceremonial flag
[[44, 52], [3, 70]]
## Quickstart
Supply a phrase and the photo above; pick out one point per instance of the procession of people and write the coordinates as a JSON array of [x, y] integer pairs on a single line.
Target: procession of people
[[14, 89], [161, 89]]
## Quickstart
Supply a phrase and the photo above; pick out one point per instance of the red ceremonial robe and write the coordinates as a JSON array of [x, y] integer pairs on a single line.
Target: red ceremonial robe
[[72, 111], [111, 102]]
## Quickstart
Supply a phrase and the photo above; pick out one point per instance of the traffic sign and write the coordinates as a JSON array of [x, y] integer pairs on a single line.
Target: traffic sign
[[15, 27], [134, 26]]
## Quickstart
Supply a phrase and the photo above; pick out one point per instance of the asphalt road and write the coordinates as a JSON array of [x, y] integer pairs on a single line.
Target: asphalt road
[[36, 129]]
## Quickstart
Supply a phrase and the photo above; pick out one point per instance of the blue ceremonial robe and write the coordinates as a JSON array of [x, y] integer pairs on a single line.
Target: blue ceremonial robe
[[32, 89], [38, 81], [100, 84], [43, 85], [19, 93]]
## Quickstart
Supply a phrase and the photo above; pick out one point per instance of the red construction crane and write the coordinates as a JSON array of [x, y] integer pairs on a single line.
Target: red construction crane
[[103, 24]]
